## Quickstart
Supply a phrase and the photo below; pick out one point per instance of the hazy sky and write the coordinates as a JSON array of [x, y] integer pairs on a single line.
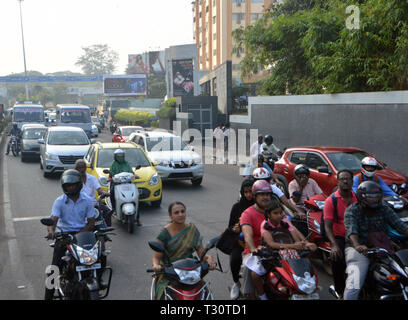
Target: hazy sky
[[56, 30]]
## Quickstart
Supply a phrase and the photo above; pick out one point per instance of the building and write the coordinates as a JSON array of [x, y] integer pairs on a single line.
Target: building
[[214, 21]]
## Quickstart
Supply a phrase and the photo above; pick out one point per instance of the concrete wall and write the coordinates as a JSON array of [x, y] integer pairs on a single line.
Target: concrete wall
[[375, 122], [219, 83]]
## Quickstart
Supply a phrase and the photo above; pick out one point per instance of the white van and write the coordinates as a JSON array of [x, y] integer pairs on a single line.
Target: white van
[[74, 115]]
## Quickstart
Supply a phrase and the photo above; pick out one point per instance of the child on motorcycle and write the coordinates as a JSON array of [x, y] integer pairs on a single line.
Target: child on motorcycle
[[279, 234]]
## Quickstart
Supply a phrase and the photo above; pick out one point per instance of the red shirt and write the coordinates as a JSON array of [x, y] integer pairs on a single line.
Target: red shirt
[[338, 225], [255, 219]]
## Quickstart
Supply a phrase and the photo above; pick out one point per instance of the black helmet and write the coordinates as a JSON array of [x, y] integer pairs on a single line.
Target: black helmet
[[261, 157], [301, 169], [71, 176], [14, 125], [268, 139], [369, 195]]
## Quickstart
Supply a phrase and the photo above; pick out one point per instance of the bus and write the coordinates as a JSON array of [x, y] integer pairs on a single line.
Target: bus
[[74, 115], [28, 113]]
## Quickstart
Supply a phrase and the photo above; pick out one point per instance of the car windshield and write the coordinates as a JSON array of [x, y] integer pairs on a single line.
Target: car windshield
[[165, 144], [68, 138], [35, 133], [348, 160], [128, 131], [28, 115], [75, 116], [134, 156]]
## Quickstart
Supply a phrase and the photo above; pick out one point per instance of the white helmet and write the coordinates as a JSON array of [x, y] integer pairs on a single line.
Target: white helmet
[[369, 161], [261, 174]]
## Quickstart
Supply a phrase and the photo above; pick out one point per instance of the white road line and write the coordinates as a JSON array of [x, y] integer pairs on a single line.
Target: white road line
[[15, 258], [28, 219]]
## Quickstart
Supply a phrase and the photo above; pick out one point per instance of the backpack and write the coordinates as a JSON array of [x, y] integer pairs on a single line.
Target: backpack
[[336, 218]]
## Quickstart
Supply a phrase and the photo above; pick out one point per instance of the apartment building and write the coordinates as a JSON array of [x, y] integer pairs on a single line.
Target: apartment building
[[214, 21]]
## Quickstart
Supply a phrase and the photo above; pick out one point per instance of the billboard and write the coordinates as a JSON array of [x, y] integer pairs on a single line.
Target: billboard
[[183, 77], [156, 63], [138, 63], [126, 85]]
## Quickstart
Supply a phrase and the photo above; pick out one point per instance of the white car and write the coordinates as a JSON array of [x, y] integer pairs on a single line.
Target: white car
[[173, 158], [61, 147]]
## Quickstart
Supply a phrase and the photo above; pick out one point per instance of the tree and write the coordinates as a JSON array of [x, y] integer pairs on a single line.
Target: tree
[[308, 49], [98, 59]]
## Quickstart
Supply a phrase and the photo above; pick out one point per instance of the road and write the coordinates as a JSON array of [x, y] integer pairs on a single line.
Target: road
[[26, 196]]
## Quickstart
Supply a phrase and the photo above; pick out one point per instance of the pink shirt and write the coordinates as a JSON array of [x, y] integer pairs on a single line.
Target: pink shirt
[[311, 189], [263, 230], [253, 218]]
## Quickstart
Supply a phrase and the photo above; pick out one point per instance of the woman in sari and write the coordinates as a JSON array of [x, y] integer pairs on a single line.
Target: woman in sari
[[181, 240]]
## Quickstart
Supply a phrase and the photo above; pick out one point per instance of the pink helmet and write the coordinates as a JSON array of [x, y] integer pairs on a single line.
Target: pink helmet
[[261, 186], [261, 174], [369, 161]]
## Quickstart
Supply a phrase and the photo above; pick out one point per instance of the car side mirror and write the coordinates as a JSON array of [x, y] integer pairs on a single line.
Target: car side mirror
[[106, 171], [191, 139], [93, 141], [41, 141]]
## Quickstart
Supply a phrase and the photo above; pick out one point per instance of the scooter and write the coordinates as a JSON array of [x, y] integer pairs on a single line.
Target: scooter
[[401, 208], [289, 279], [185, 276], [127, 198], [82, 262]]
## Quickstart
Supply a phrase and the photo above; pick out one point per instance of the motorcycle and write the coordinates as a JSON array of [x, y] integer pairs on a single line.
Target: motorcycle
[[289, 279], [185, 276], [127, 198], [387, 277], [78, 279], [401, 208], [15, 145], [113, 127]]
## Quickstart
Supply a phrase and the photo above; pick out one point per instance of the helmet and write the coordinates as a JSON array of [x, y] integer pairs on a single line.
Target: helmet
[[261, 157], [119, 155], [71, 176], [14, 125], [268, 139], [301, 169], [369, 195], [369, 161], [261, 186], [261, 174]]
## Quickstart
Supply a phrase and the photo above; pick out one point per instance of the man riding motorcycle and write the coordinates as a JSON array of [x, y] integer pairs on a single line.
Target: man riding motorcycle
[[269, 147], [366, 225], [369, 167], [15, 131]]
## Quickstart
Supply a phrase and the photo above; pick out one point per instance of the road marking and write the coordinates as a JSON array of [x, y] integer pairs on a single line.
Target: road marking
[[14, 251], [29, 219]]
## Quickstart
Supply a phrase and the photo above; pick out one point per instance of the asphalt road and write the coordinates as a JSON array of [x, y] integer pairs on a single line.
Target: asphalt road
[[26, 196]]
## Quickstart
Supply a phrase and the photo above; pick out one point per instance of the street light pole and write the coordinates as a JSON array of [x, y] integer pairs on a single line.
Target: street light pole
[[25, 66]]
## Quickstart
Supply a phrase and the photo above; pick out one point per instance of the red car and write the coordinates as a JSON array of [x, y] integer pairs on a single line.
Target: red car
[[324, 162], [122, 133]]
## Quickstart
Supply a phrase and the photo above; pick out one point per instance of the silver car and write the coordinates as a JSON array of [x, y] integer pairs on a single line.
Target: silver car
[[61, 147]]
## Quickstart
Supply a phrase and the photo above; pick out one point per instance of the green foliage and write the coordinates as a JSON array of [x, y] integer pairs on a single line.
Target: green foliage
[[4, 124], [168, 109], [134, 117], [98, 59], [154, 124], [308, 49]]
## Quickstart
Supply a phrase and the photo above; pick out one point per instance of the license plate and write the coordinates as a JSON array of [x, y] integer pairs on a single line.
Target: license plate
[[313, 296], [87, 268]]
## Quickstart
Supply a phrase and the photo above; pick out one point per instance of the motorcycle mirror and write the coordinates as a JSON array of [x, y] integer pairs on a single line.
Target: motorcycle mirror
[[156, 246], [41, 141], [106, 171], [47, 222], [138, 167]]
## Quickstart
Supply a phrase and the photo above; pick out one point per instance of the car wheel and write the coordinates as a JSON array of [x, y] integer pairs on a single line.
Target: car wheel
[[197, 182], [41, 166]]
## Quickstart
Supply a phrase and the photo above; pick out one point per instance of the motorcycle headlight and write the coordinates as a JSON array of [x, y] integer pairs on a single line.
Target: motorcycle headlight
[[50, 156], [306, 284], [104, 181], [154, 180], [87, 257], [189, 277]]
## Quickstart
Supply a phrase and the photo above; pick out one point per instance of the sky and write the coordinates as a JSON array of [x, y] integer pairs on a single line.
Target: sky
[[56, 30]]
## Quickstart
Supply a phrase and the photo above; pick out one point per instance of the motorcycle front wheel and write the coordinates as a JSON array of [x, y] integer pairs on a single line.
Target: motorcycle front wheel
[[131, 223], [14, 150]]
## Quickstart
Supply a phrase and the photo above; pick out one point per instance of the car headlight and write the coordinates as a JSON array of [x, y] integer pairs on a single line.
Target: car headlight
[[50, 156], [104, 181], [154, 180], [87, 257]]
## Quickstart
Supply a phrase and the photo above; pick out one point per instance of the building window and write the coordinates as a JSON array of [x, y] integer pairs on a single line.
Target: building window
[[238, 17], [214, 36], [214, 19], [257, 1]]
